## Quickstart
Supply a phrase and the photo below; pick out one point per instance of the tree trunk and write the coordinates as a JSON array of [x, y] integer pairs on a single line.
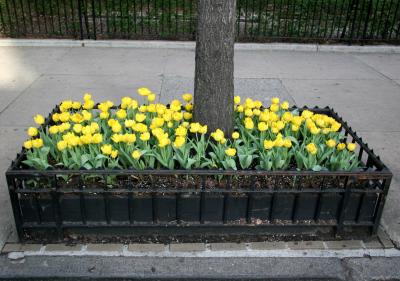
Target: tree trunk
[[213, 87]]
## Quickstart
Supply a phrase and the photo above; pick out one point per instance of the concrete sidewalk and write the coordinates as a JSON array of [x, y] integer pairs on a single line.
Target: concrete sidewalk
[[363, 88]]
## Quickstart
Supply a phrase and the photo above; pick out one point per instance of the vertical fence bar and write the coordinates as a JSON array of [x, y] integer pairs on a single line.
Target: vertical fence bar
[[51, 16], [114, 19], [23, 15], [156, 19], [278, 28], [162, 18], [300, 14], [86, 18], [183, 29], [100, 19], [73, 19], [128, 14], [55, 195], [121, 20], [381, 19], [176, 18], [82, 204], [328, 11], [16, 16], [3, 24], [252, 19], [354, 22], [333, 19], [36, 6], [313, 21], [80, 18], [381, 204], [394, 20], [141, 17], [107, 18], [273, 17], [44, 16], [340, 20], [286, 28], [134, 17], [148, 17], [238, 11], [30, 16], [345, 202], [15, 204], [386, 26], [320, 19], [245, 17], [292, 19], [106, 199], [367, 20], [66, 21], [361, 16], [374, 19], [306, 22], [266, 18], [59, 17], [94, 21]]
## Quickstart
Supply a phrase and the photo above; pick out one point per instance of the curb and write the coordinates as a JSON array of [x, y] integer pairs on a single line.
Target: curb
[[190, 45]]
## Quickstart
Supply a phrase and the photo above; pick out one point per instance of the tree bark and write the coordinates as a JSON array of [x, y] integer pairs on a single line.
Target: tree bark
[[213, 87]]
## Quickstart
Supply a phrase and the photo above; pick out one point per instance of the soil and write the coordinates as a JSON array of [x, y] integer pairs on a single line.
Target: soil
[[76, 237]]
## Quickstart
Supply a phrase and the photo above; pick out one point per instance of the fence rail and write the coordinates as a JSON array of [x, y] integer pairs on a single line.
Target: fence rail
[[325, 21]]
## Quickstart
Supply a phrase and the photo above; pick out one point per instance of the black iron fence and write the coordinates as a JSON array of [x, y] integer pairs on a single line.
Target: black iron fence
[[352, 21], [185, 202]]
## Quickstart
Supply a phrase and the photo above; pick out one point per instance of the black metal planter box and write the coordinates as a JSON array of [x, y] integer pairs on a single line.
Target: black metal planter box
[[200, 202]]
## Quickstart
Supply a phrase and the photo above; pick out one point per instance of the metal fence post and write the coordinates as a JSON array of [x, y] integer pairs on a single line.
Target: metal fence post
[[367, 18], [80, 18], [354, 21]]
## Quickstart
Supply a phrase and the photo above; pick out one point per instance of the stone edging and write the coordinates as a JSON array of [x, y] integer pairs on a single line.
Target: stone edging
[[158, 44], [339, 249]]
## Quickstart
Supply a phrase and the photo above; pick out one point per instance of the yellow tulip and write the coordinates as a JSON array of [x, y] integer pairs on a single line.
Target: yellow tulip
[[106, 149], [341, 146], [32, 131], [187, 97], [145, 136], [230, 152], [275, 100], [236, 100], [179, 142], [136, 154], [351, 146], [331, 143], [121, 114], [262, 126], [39, 119], [61, 145], [285, 105], [311, 148], [28, 144], [268, 144], [140, 117], [144, 91], [235, 135], [37, 143]]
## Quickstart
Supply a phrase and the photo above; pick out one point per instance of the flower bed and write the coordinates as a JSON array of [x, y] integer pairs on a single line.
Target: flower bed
[[148, 168]]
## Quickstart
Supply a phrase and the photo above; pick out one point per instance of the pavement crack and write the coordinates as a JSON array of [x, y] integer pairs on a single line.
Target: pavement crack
[[375, 70]]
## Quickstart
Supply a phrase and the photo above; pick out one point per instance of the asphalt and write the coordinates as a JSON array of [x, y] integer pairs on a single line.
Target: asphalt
[[363, 87]]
